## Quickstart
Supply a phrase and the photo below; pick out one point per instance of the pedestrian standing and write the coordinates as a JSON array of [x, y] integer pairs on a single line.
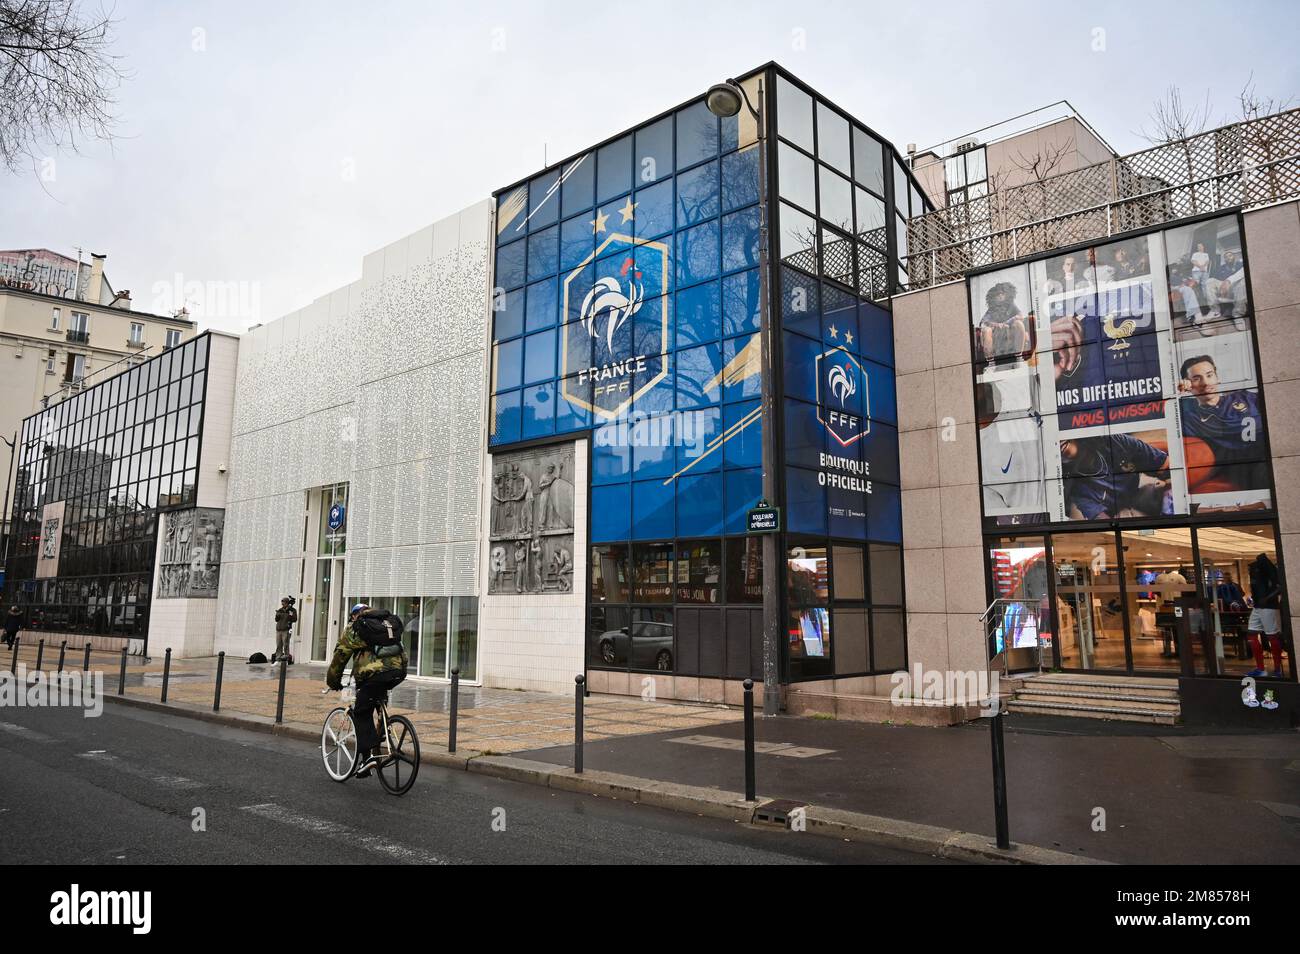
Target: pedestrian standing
[[13, 623], [285, 617]]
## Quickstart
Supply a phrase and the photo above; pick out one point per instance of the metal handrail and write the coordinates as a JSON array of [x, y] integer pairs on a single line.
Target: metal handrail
[[991, 621]]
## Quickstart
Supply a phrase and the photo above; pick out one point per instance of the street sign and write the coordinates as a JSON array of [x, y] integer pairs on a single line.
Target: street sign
[[763, 520]]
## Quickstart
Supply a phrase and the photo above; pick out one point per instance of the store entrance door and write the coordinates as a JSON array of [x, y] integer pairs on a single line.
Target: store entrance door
[[1089, 602]]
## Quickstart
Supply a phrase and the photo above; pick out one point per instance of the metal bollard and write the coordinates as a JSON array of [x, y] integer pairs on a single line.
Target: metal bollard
[[1000, 781], [749, 740], [40, 653], [577, 723], [85, 662], [121, 675], [13, 663], [279, 702], [221, 665], [63, 651], [167, 672], [455, 707]]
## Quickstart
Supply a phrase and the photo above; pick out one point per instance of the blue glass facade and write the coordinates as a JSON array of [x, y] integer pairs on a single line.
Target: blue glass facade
[[664, 223], [626, 307]]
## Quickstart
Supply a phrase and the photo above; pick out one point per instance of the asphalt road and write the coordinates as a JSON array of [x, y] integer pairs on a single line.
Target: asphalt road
[[123, 789]]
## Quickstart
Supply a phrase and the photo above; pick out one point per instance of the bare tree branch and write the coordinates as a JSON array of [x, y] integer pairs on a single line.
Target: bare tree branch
[[58, 78], [1254, 105], [1173, 119]]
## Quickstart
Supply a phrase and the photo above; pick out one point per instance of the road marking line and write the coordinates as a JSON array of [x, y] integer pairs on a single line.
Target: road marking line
[[337, 832], [788, 749], [112, 761], [25, 733]]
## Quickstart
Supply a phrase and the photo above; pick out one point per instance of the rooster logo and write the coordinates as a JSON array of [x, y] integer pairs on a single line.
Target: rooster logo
[[608, 297], [1119, 332], [842, 383]]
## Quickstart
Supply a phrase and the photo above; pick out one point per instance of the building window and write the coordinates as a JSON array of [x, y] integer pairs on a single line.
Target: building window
[[76, 368], [49, 362], [966, 176], [55, 316], [137, 333], [79, 327], [173, 338]]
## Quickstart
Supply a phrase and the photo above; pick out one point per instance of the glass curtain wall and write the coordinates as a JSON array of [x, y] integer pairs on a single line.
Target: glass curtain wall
[[113, 456], [1112, 599], [432, 649]]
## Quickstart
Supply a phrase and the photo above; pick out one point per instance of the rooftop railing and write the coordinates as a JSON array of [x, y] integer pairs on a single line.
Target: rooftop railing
[[1242, 165]]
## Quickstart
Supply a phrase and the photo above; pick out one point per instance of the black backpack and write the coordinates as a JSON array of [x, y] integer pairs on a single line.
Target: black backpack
[[382, 632]]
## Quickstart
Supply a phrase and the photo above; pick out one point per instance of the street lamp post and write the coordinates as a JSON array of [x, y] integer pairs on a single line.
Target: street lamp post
[[725, 100]]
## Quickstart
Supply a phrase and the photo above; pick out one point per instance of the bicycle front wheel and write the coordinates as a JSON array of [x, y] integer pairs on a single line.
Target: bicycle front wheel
[[397, 773], [338, 744]]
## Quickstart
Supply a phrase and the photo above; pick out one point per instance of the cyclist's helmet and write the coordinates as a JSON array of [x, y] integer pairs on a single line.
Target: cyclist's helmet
[[352, 613]]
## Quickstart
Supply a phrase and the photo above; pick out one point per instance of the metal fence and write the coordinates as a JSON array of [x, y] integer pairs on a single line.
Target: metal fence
[[1245, 164]]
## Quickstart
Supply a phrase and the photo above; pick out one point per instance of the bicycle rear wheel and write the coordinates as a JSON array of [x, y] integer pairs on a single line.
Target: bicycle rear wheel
[[397, 773], [338, 744]]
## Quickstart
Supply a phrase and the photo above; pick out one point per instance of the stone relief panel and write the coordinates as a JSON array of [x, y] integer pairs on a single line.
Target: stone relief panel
[[531, 532], [189, 566]]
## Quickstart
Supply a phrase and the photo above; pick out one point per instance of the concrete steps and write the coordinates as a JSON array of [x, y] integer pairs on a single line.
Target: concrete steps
[[1120, 698]]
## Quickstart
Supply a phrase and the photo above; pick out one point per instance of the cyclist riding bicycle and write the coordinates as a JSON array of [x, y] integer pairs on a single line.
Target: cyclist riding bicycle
[[378, 664]]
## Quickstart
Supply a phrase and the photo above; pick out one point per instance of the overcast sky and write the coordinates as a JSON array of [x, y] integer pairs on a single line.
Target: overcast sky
[[275, 143]]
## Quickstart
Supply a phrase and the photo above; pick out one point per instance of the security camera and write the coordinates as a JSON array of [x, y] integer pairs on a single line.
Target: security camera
[[221, 468]]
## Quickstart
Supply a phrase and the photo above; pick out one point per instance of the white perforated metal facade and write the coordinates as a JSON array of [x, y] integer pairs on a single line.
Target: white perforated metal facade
[[378, 384]]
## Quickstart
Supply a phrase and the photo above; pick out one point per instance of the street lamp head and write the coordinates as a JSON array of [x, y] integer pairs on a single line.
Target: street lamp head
[[723, 99]]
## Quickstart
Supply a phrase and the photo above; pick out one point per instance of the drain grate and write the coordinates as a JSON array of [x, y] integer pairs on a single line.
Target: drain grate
[[777, 812]]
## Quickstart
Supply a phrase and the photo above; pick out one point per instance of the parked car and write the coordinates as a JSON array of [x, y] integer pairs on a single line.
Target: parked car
[[643, 645]]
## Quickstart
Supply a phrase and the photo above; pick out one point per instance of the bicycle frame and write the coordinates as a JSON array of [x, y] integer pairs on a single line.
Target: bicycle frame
[[349, 686]]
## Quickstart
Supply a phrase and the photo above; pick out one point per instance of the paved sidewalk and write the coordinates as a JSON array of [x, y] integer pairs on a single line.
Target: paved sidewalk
[[491, 721], [1170, 795]]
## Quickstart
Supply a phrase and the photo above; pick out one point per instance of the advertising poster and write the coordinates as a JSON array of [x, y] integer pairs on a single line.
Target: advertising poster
[[51, 542], [1222, 425], [1207, 279], [1103, 314], [1120, 382]]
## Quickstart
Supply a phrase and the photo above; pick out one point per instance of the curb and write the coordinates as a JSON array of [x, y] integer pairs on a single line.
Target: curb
[[893, 833]]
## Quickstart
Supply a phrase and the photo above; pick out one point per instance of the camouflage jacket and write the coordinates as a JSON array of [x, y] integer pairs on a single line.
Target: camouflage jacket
[[364, 663]]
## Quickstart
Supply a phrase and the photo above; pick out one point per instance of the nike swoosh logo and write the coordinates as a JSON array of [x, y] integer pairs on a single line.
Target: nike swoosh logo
[[1008, 467]]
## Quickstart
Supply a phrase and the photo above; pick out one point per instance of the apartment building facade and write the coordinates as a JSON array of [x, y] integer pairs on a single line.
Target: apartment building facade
[[63, 326]]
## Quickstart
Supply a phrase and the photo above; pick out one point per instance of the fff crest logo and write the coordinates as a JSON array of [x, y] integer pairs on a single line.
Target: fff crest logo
[[842, 404], [617, 323]]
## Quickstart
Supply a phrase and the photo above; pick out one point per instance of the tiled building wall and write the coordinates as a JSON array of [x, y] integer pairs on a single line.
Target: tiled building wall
[[1273, 245], [943, 561], [378, 384]]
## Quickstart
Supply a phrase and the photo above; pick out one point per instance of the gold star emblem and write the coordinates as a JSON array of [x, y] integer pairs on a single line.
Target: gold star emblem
[[848, 336], [598, 223], [834, 333], [627, 209]]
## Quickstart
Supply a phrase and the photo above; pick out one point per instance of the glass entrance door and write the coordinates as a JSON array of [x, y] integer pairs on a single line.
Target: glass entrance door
[[1089, 601], [1159, 568], [322, 618]]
